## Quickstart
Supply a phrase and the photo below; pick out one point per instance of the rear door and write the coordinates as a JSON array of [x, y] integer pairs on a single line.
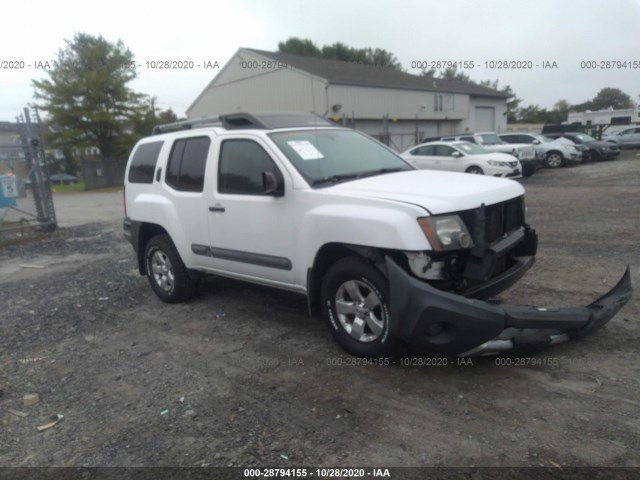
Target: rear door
[[184, 180], [629, 137], [251, 234]]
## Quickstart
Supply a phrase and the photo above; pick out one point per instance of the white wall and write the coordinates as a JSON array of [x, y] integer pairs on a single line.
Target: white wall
[[498, 104], [369, 102], [249, 83]]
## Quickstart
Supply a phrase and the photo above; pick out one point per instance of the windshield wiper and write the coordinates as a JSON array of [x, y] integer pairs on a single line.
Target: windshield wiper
[[335, 178], [380, 171], [351, 176]]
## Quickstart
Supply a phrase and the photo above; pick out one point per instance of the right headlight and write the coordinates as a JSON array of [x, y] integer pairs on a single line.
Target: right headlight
[[447, 232], [496, 163]]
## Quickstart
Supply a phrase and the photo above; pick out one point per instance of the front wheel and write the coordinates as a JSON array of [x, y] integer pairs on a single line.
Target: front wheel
[[355, 305], [475, 170], [167, 274], [553, 160]]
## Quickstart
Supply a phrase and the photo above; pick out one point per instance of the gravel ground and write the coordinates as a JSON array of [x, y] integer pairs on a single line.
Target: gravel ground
[[241, 375]]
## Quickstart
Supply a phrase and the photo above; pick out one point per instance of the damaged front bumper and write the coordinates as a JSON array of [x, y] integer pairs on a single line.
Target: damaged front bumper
[[426, 317]]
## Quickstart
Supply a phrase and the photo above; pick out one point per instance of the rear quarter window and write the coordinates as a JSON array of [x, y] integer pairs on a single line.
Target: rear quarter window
[[143, 163]]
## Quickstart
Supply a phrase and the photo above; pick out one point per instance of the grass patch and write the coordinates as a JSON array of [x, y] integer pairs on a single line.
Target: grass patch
[[79, 188], [73, 187]]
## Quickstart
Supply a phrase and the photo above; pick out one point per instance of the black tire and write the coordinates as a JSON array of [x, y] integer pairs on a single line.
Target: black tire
[[361, 324], [528, 171], [594, 156], [474, 170], [554, 160], [167, 274]]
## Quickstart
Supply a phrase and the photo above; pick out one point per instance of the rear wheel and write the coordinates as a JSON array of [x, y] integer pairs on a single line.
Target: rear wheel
[[355, 305], [475, 170], [166, 272], [553, 160]]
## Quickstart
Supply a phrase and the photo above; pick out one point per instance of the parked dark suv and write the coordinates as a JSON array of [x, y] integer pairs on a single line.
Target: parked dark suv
[[598, 149]]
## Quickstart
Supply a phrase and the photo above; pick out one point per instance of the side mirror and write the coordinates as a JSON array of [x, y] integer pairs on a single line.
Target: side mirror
[[272, 185], [536, 142], [456, 154]]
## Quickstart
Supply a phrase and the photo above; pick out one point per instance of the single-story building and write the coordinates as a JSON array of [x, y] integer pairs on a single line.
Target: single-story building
[[395, 106]]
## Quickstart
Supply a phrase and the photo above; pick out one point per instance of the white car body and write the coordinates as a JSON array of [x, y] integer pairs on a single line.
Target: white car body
[[388, 252], [461, 157], [296, 225]]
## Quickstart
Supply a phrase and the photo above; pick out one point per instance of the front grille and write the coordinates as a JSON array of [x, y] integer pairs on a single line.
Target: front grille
[[527, 152], [500, 218]]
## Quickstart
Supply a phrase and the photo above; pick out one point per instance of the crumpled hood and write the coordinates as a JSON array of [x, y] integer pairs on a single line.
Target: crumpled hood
[[438, 192]]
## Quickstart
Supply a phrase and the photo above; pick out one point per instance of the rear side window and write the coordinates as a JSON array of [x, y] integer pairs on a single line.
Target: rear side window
[[426, 150], [187, 162], [143, 163]]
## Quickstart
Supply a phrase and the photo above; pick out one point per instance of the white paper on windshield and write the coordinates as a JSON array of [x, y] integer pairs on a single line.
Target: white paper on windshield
[[305, 149]]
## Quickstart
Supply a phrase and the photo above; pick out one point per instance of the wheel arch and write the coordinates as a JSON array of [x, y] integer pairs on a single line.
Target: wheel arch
[[550, 152], [146, 232], [329, 254], [474, 166]]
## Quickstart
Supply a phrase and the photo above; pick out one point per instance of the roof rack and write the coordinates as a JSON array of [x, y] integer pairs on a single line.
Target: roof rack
[[186, 125], [235, 121]]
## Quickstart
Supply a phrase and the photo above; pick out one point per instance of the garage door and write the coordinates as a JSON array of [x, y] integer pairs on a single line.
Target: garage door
[[485, 119]]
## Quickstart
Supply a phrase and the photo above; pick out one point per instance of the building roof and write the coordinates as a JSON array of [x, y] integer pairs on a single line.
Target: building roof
[[9, 127], [349, 73]]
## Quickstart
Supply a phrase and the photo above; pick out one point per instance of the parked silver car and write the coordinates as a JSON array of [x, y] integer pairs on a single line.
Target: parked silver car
[[629, 137], [555, 153]]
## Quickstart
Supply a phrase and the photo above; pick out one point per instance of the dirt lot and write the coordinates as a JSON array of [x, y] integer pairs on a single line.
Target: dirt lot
[[241, 375]]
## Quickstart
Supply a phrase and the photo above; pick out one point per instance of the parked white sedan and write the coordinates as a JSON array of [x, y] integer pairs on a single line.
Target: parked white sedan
[[463, 157]]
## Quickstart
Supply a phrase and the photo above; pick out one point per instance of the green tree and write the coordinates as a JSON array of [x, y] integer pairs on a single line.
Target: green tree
[[454, 74], [148, 118], [87, 97], [430, 72], [530, 114], [562, 105], [611, 97], [513, 102], [339, 51], [299, 46]]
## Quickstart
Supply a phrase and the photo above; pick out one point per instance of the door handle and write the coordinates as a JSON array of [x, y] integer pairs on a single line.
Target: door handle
[[216, 208]]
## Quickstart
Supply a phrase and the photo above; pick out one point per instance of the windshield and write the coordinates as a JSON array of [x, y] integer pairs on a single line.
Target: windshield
[[471, 148], [334, 155], [585, 138], [490, 139]]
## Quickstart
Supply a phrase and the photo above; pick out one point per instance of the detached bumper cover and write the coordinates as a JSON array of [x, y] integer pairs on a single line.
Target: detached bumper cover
[[426, 317]]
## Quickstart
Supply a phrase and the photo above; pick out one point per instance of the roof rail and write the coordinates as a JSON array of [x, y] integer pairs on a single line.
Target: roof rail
[[242, 120], [186, 125]]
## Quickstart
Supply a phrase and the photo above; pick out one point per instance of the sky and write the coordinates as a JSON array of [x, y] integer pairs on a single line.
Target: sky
[[567, 32]]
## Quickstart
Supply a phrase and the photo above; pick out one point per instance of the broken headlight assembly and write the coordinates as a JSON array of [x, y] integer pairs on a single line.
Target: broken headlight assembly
[[447, 232]]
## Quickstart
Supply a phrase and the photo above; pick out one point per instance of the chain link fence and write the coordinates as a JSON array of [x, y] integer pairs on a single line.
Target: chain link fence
[[103, 172], [26, 202]]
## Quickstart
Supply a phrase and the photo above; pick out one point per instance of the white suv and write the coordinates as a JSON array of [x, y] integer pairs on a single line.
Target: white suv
[[391, 254]]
